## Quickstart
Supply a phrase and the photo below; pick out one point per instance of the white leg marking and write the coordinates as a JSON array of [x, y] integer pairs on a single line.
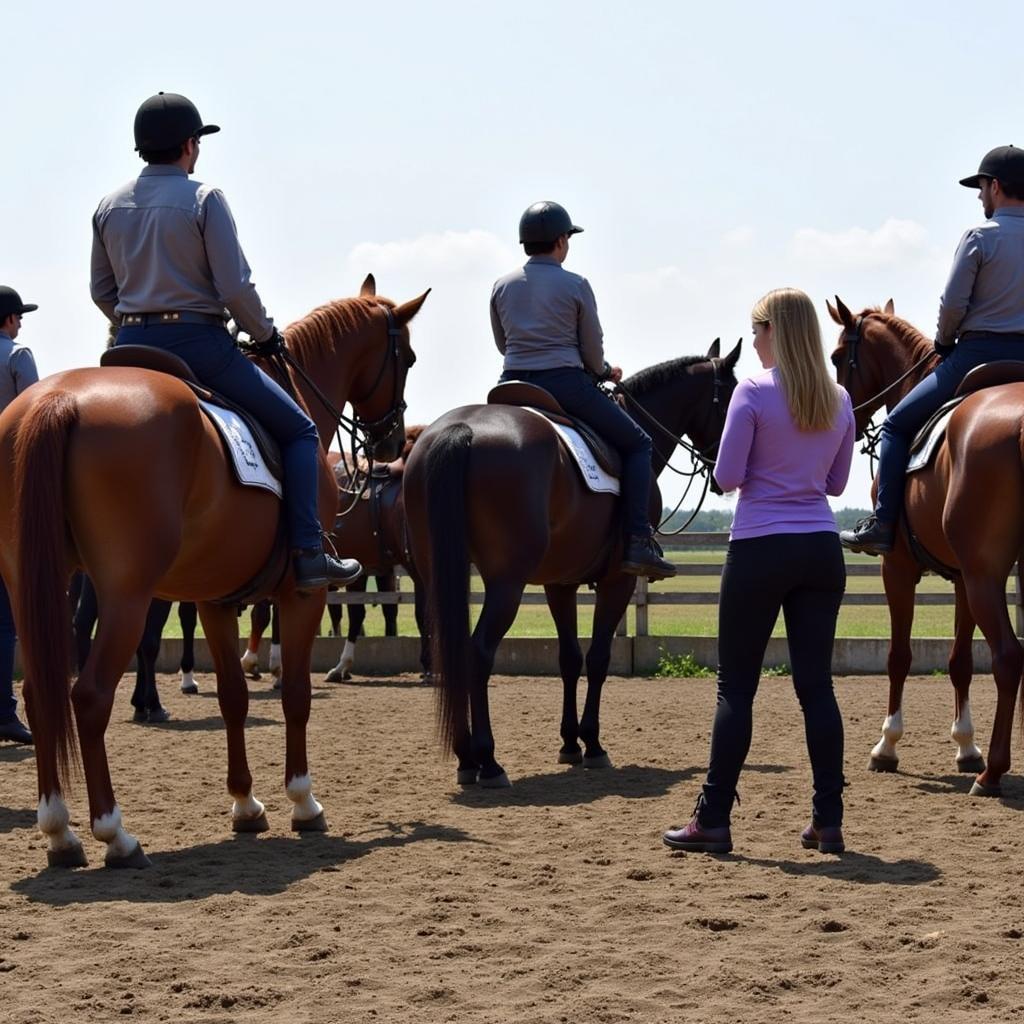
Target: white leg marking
[[300, 792], [275, 660], [52, 816], [246, 807], [188, 683], [108, 829], [892, 733], [348, 659], [251, 664], [963, 734]]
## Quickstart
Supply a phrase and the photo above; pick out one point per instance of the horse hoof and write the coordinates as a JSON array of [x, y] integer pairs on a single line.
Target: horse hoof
[[257, 824], [570, 757], [189, 688], [317, 824], [335, 676], [277, 683], [883, 764], [253, 674], [970, 765], [980, 789], [136, 859], [69, 857], [466, 776], [495, 782], [600, 761]]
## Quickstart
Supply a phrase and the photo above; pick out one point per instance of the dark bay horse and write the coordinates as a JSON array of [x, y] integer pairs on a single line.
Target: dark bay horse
[[116, 471], [966, 510], [492, 485]]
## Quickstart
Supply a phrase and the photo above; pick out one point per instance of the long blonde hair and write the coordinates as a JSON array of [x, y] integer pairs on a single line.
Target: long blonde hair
[[812, 396]]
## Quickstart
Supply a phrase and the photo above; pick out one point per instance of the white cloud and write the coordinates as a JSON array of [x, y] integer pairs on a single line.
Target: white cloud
[[740, 237], [895, 242]]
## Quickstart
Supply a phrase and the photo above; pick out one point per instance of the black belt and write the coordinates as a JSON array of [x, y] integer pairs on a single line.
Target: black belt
[[154, 319]]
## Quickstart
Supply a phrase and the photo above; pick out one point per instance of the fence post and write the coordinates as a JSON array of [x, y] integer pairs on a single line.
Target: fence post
[[642, 607]]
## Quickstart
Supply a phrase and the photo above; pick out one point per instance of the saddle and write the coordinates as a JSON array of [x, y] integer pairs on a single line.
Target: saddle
[[146, 358], [530, 396]]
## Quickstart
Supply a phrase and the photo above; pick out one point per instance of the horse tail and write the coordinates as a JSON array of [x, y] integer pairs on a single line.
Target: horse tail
[[448, 591], [44, 630]]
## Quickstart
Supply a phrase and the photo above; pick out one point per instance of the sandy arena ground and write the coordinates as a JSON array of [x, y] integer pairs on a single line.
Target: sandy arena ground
[[553, 901]]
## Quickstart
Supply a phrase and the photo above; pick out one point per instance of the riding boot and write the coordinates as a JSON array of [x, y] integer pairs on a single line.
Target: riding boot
[[643, 558], [870, 536], [314, 568]]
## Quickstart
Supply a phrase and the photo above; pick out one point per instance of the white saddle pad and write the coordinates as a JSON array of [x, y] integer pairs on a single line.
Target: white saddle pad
[[923, 456], [593, 475], [250, 468]]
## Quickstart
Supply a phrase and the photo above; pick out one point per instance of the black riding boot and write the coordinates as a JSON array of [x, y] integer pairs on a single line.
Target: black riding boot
[[643, 558], [314, 568]]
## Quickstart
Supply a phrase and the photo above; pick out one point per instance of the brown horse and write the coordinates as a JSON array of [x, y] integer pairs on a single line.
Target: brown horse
[[116, 471], [492, 485], [966, 511]]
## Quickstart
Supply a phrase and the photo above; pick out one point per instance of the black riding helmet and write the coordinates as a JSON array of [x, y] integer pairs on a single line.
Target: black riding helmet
[[167, 120], [544, 223]]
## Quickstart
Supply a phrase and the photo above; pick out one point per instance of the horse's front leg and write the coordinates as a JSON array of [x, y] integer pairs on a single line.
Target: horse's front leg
[[259, 619], [300, 616], [613, 594], [900, 576], [220, 623], [562, 604], [342, 672], [969, 758]]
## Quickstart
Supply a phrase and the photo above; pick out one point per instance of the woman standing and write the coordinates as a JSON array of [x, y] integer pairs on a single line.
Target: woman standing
[[787, 443]]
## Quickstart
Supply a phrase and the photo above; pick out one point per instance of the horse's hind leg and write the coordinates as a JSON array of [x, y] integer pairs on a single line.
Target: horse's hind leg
[[961, 668], [259, 619], [562, 604], [146, 698], [388, 582], [220, 623], [118, 634], [356, 617], [299, 617], [900, 576], [187, 617]]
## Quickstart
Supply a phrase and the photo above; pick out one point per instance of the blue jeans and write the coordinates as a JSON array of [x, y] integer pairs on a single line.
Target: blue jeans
[[8, 704], [215, 360], [579, 396], [913, 411]]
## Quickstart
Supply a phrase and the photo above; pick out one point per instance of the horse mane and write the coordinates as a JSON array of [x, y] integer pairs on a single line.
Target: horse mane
[[906, 333], [655, 377], [317, 332]]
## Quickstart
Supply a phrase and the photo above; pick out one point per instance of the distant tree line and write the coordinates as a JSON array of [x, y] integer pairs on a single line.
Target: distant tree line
[[719, 520]]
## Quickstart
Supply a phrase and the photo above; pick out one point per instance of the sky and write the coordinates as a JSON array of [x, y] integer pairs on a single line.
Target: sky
[[711, 152]]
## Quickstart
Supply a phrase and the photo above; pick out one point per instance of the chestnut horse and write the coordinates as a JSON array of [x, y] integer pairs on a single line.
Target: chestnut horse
[[118, 472], [493, 485], [966, 510]]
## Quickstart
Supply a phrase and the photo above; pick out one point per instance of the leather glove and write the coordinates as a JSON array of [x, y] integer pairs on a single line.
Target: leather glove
[[943, 350], [271, 346]]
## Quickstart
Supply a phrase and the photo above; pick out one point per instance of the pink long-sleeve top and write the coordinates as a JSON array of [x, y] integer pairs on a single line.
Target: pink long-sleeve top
[[783, 473]]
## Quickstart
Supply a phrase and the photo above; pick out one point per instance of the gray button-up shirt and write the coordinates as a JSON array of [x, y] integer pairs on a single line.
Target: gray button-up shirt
[[17, 369], [985, 290], [165, 243], [545, 317]]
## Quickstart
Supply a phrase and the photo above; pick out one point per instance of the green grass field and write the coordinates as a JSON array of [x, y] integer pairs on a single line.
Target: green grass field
[[697, 620]]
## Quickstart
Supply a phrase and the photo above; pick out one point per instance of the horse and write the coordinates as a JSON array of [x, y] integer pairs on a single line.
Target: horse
[[493, 485], [374, 532], [965, 510], [263, 614], [116, 471]]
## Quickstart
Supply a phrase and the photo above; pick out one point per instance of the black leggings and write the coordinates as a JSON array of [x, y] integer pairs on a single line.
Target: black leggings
[[802, 574]]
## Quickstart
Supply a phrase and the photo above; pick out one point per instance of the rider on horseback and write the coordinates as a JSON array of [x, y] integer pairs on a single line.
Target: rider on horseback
[[545, 324], [166, 261], [981, 319]]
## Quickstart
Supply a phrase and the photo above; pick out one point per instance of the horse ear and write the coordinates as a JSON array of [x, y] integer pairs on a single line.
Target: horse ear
[[834, 313], [405, 312], [729, 362], [715, 350], [845, 316], [890, 307], [369, 287]]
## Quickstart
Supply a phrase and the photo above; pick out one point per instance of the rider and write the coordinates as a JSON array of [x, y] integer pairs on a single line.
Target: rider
[[981, 319], [545, 324], [166, 261]]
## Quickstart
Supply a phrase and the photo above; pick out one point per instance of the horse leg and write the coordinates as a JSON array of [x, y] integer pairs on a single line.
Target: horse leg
[[220, 624], [961, 668], [356, 617], [334, 613], [501, 605], [274, 663], [187, 617], [562, 605], [299, 618], [387, 582], [259, 619], [612, 600], [117, 635], [900, 576], [146, 698], [419, 597], [86, 615]]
